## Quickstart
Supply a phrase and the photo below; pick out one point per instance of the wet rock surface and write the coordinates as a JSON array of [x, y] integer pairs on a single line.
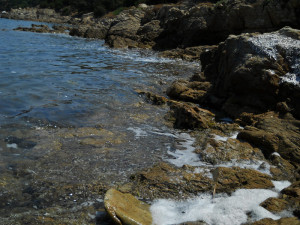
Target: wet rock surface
[[126, 209]]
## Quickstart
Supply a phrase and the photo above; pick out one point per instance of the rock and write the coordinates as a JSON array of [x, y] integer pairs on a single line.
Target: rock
[[282, 221], [124, 28], [166, 181], [293, 191], [96, 32], [292, 195], [78, 31], [275, 205], [230, 179], [37, 28], [212, 23], [229, 149], [154, 98], [266, 141], [149, 32], [283, 169], [189, 116], [189, 53], [253, 72], [36, 14], [190, 92], [273, 134], [126, 209]]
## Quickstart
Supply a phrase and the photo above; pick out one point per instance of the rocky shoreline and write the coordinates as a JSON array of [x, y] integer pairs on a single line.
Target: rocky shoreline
[[250, 72]]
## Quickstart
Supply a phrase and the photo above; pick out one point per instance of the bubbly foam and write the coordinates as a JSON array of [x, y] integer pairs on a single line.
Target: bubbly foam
[[269, 45], [222, 210]]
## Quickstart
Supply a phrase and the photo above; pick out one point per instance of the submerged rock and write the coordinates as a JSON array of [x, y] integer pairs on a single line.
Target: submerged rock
[[125, 209]]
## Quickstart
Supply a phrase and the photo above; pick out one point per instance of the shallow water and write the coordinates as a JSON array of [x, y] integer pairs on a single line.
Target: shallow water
[[70, 113]]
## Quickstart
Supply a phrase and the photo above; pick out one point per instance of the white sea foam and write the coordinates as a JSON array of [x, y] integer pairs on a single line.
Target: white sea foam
[[258, 165], [224, 138], [185, 154], [222, 210], [268, 45], [280, 185], [138, 132], [291, 78], [13, 145]]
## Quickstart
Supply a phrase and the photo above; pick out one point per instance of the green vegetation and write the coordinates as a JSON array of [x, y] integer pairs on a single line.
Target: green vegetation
[[66, 7]]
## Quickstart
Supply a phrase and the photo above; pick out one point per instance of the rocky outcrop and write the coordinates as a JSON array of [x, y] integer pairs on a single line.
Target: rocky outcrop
[[189, 116], [230, 179], [211, 23], [273, 134], [282, 221], [256, 73], [183, 25], [125, 209], [36, 14], [98, 32], [44, 29]]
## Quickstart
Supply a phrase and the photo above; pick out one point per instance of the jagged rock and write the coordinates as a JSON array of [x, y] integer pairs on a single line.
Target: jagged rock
[[292, 195], [124, 28], [36, 14], [255, 72], [266, 141], [230, 179], [189, 53], [218, 152], [273, 134], [166, 181], [154, 98], [283, 169], [37, 28], [125, 209], [282, 221], [97, 32], [293, 191], [212, 23], [275, 205], [190, 116], [191, 92], [149, 32]]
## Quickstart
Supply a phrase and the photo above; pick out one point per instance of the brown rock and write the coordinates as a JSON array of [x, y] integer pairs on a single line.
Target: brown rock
[[154, 98], [284, 170], [190, 92], [275, 205], [218, 152], [268, 142], [282, 221], [230, 179], [190, 116], [125, 209], [292, 191], [166, 181]]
